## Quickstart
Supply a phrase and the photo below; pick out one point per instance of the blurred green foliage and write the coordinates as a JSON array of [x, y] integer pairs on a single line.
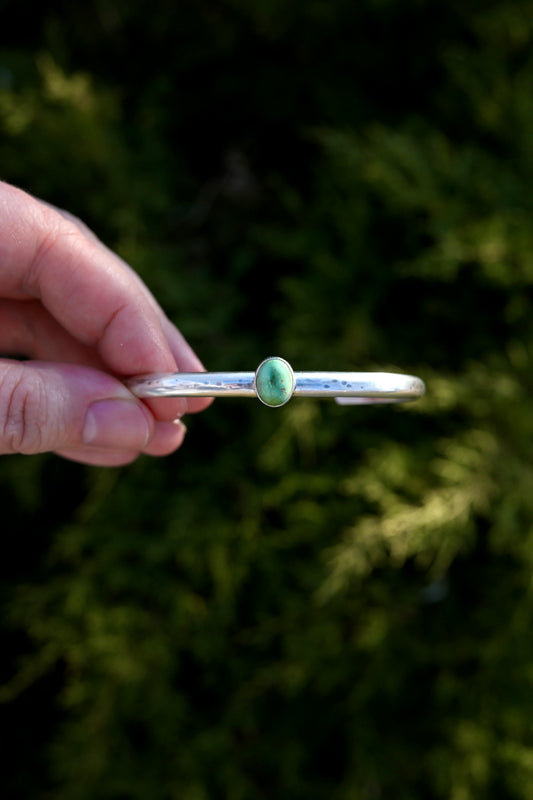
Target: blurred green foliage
[[311, 602]]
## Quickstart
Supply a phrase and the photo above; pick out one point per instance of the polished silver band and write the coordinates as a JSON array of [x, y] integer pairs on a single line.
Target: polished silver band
[[347, 388]]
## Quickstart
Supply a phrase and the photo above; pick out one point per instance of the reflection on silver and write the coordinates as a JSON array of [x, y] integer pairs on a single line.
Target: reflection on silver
[[347, 388]]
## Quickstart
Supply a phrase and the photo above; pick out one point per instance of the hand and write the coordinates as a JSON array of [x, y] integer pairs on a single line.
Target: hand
[[87, 321]]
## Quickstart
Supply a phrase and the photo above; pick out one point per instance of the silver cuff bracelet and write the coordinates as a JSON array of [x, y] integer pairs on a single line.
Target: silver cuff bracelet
[[274, 382]]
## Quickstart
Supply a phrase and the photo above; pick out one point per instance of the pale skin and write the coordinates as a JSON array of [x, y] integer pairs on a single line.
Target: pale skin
[[86, 322]]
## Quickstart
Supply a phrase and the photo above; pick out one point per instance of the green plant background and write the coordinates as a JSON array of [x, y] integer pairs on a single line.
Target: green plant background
[[313, 601]]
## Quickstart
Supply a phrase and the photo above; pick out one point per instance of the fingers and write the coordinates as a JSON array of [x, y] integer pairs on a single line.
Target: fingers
[[187, 361], [78, 411], [47, 257], [167, 438], [87, 291], [27, 328], [94, 298]]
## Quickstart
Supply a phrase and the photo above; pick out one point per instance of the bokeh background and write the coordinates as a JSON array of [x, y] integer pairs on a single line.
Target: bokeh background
[[310, 602]]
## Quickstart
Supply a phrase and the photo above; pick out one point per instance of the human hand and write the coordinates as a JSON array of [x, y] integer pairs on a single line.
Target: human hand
[[87, 321]]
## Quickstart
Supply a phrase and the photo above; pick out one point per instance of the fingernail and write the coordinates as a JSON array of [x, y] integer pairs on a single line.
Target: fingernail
[[182, 428], [118, 424]]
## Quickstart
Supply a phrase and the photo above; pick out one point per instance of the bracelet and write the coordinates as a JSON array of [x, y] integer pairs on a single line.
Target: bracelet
[[274, 382]]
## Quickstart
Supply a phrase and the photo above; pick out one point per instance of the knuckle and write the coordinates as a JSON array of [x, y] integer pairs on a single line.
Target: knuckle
[[54, 227], [23, 411]]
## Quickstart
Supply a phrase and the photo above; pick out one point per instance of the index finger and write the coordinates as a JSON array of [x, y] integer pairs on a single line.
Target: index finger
[[87, 290]]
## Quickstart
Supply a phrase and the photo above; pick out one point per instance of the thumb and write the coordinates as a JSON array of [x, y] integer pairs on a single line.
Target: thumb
[[46, 407]]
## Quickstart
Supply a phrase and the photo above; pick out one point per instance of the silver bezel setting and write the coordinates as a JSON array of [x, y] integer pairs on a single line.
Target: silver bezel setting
[[293, 381]]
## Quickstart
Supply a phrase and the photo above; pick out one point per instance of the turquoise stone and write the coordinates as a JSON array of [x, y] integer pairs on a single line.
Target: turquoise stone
[[274, 381]]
